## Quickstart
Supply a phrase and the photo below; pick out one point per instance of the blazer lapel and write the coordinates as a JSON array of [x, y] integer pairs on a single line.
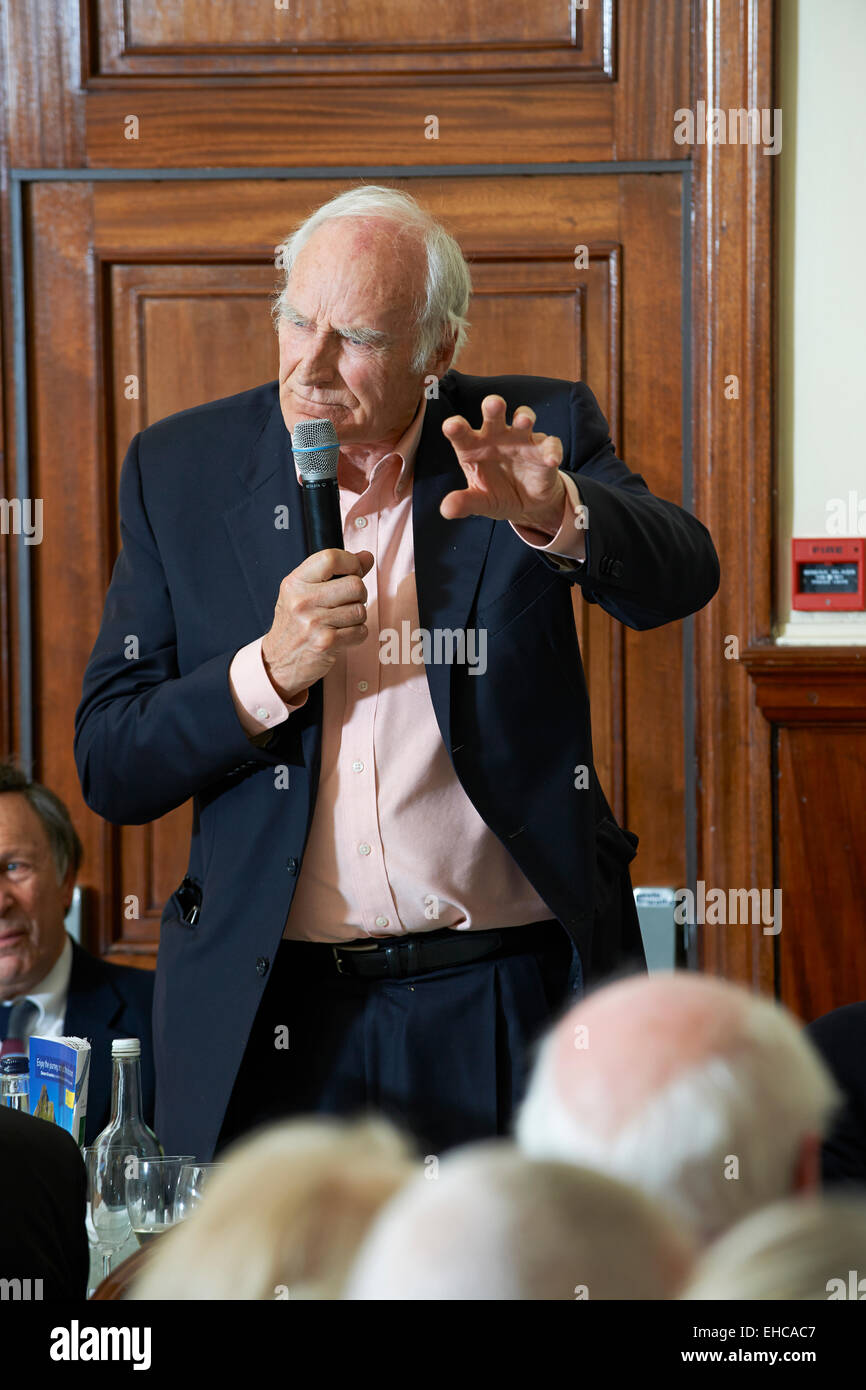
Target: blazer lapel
[[449, 555], [266, 528]]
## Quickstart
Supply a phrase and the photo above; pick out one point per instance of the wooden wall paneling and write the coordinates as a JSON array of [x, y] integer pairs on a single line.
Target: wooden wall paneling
[[649, 741], [611, 92], [393, 37], [653, 65], [732, 334], [822, 866], [377, 126], [68, 474], [44, 50], [815, 702]]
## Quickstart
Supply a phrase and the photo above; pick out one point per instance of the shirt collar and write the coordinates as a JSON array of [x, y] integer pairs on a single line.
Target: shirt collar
[[405, 449], [51, 994]]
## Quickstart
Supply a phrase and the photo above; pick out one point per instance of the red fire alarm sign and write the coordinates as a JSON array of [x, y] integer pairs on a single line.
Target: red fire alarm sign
[[827, 574]]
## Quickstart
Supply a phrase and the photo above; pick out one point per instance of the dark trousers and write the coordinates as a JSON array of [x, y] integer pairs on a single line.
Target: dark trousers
[[445, 1054]]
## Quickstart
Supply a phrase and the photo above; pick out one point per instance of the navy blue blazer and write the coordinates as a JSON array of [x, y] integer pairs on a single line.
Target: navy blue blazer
[[104, 1002], [202, 496]]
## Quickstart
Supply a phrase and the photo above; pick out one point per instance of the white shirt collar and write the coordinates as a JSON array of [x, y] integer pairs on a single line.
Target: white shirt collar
[[50, 995]]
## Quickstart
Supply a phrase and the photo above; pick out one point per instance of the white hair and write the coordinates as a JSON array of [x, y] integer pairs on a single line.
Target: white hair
[[286, 1212], [717, 1140], [441, 310], [803, 1248], [495, 1225]]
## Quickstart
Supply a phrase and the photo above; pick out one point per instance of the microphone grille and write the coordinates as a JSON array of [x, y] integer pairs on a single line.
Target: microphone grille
[[316, 449]]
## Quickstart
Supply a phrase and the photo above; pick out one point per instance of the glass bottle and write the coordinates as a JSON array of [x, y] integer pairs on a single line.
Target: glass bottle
[[125, 1139], [15, 1082]]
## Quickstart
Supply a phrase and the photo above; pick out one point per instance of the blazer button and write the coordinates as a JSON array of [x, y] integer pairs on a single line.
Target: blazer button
[[616, 569], [262, 965], [292, 866]]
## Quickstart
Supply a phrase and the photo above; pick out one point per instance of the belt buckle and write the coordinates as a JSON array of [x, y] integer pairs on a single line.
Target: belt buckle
[[336, 954]]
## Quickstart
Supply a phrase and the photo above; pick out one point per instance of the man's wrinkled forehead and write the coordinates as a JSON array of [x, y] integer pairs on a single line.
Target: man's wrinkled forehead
[[361, 264]]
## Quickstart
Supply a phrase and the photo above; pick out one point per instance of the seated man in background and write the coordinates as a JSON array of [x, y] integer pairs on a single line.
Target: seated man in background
[[703, 1095], [49, 985], [43, 1192], [496, 1225], [840, 1037]]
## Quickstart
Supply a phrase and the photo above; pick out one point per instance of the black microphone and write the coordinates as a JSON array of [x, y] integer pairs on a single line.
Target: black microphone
[[316, 448]]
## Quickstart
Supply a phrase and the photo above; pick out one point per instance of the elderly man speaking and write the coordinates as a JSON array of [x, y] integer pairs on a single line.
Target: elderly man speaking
[[402, 862]]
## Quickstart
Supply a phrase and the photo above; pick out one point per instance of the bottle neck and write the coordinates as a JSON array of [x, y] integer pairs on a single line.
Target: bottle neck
[[126, 1089]]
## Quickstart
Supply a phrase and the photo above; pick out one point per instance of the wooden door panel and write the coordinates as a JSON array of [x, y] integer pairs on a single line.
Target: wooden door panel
[[393, 36], [185, 277]]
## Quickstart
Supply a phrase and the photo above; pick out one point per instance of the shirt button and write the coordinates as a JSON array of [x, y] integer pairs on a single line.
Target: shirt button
[[381, 921], [357, 765], [363, 685], [262, 965], [363, 849], [360, 522], [292, 865], [263, 714]]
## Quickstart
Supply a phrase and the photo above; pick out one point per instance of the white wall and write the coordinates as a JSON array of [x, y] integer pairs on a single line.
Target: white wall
[[821, 383]]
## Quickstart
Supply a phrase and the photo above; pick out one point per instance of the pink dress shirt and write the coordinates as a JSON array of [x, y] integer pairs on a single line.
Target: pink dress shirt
[[395, 844]]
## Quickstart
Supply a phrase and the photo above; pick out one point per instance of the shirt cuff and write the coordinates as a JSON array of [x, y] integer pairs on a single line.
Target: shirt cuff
[[570, 540], [259, 707]]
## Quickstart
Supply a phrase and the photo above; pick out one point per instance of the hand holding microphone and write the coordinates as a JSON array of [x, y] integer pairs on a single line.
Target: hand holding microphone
[[320, 608]]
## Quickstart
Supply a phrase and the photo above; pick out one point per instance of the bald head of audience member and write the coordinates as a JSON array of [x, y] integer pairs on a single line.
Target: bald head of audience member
[[284, 1214], [495, 1225], [693, 1089], [806, 1248]]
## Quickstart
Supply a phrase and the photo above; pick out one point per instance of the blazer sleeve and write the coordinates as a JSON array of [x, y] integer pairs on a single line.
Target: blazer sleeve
[[146, 737], [648, 561]]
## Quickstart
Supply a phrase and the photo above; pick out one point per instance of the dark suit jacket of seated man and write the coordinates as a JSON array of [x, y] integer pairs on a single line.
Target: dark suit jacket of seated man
[[212, 521], [43, 1237]]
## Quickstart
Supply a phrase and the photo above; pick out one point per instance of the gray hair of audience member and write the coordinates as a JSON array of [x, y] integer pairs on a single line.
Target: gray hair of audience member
[[805, 1248], [700, 1093], [441, 309], [284, 1216], [496, 1225], [66, 847]]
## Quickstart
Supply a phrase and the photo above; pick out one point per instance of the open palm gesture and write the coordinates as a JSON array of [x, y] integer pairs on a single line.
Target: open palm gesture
[[513, 473]]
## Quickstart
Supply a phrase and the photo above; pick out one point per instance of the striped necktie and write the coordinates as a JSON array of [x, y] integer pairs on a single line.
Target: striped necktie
[[15, 1019]]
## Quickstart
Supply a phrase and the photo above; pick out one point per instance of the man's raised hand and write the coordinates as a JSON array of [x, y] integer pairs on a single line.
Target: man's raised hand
[[513, 474]]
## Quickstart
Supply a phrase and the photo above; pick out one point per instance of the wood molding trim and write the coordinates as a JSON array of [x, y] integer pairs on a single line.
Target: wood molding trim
[[732, 335], [815, 685]]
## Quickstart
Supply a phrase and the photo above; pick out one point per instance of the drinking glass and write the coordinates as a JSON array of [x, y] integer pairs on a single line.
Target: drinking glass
[[190, 1187], [107, 1217], [150, 1189]]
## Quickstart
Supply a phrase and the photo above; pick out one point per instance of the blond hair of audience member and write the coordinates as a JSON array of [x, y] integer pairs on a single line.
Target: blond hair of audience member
[[804, 1248], [698, 1092], [496, 1225], [285, 1216]]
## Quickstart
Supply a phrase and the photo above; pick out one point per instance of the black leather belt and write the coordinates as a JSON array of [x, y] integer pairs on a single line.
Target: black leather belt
[[419, 952]]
